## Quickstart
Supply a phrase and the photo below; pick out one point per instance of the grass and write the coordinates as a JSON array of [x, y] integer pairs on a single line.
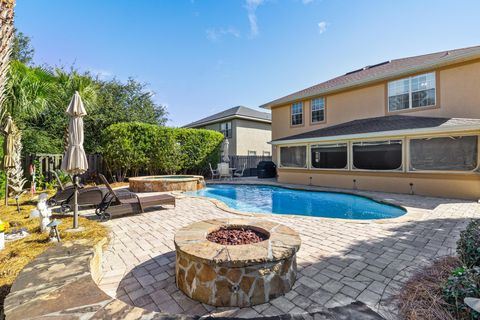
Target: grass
[[19, 253], [421, 297]]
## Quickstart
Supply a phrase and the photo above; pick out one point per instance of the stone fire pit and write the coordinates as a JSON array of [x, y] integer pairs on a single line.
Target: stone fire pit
[[236, 275]]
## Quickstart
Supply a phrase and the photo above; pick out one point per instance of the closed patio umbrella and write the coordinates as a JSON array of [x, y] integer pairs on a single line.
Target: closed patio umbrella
[[8, 144], [225, 157], [75, 160]]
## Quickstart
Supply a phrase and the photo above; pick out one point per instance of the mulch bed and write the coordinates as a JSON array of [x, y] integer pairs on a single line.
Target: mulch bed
[[236, 236], [421, 297]]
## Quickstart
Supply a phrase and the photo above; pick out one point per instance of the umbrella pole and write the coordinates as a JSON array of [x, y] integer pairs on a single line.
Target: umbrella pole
[[6, 188], [75, 202]]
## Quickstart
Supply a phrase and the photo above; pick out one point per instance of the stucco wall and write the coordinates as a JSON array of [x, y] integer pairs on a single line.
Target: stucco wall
[[444, 185], [232, 142], [458, 95], [246, 135], [253, 136]]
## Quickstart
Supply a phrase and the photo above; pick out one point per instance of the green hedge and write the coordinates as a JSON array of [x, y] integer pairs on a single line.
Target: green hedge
[[130, 149]]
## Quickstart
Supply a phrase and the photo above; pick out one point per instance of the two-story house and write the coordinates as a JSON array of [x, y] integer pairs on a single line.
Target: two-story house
[[408, 125], [248, 131]]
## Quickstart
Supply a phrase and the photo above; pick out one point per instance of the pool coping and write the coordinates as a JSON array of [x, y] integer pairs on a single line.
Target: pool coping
[[411, 213]]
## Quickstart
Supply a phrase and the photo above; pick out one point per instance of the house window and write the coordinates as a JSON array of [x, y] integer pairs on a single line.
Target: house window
[[413, 92], [297, 113], [444, 153], [330, 156], [318, 110], [252, 153], [378, 155], [266, 153], [226, 129], [294, 157]]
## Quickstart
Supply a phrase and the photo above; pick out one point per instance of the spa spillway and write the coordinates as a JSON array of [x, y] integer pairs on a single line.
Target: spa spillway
[[261, 267], [166, 183]]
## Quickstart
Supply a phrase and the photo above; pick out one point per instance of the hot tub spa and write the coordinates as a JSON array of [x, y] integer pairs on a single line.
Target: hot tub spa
[[166, 183]]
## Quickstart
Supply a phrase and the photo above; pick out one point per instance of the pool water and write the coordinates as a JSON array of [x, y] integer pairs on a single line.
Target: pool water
[[277, 200]]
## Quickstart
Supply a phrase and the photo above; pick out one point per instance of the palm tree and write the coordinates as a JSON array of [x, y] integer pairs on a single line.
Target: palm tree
[[6, 37], [29, 90]]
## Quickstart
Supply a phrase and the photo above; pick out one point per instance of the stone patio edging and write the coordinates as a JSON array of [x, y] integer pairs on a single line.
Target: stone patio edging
[[61, 284]]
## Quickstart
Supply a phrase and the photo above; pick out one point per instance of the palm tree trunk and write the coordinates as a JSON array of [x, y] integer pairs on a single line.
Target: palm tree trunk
[[6, 37]]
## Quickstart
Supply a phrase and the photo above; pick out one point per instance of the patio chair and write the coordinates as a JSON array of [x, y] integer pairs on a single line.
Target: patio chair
[[224, 171], [240, 174], [115, 205], [214, 173]]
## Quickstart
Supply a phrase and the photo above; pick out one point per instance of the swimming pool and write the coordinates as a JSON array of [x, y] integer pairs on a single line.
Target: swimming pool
[[278, 200]]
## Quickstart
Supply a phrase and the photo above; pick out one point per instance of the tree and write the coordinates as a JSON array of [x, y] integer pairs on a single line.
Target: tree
[[121, 102], [6, 36], [22, 49]]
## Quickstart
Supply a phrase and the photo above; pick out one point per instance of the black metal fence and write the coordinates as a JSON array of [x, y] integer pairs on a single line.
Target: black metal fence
[[250, 163]]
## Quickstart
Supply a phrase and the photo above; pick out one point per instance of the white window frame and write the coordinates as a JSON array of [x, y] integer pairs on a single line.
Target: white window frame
[[268, 155], [402, 142], [293, 114], [463, 134], [322, 107], [310, 165], [279, 156], [252, 153], [410, 101]]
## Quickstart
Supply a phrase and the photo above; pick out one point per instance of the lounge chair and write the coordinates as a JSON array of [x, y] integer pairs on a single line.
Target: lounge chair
[[214, 173], [63, 191], [87, 196], [114, 205]]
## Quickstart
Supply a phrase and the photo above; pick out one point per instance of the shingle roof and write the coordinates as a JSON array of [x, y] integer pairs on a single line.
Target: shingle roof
[[239, 111], [384, 124], [381, 71]]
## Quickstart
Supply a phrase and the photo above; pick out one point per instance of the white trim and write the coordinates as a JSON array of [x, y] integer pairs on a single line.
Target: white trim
[[447, 129], [406, 71]]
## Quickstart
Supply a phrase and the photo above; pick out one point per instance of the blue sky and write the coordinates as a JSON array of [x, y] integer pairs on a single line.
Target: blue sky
[[203, 56]]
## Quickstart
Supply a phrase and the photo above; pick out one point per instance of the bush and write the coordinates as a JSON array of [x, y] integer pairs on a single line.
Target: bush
[[135, 148], [461, 284], [468, 246]]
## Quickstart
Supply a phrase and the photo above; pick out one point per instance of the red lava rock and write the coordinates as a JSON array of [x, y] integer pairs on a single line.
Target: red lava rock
[[236, 236]]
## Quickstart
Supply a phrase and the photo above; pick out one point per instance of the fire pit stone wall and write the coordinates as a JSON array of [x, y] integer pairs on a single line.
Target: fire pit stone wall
[[236, 275]]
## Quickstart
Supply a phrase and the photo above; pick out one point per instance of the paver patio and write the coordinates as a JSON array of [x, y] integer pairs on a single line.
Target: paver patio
[[339, 261]]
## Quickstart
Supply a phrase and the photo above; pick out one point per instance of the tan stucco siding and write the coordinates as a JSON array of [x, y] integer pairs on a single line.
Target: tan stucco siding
[[443, 185], [232, 142], [458, 95], [247, 135], [253, 136]]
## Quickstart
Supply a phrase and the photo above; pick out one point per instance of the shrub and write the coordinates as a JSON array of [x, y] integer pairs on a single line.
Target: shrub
[[468, 246], [134, 148], [462, 283]]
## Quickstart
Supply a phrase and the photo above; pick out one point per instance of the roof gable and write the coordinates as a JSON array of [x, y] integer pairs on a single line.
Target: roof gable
[[381, 71], [235, 112]]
